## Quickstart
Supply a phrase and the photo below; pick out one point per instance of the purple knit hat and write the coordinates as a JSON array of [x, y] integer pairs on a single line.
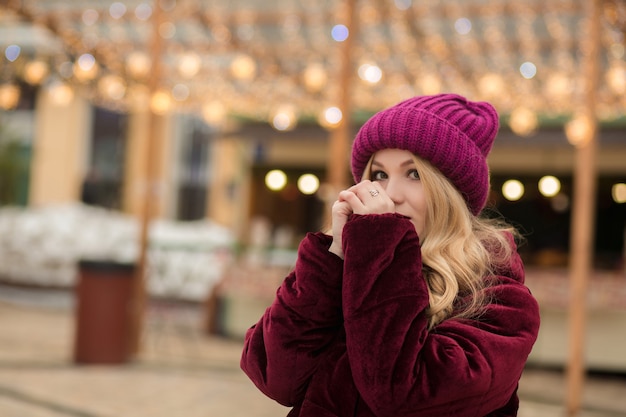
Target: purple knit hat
[[452, 133]]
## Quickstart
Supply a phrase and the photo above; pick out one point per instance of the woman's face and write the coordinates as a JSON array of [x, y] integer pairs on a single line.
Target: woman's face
[[395, 171]]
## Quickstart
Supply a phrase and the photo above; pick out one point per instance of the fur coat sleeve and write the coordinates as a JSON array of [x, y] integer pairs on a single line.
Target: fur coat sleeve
[[367, 315]]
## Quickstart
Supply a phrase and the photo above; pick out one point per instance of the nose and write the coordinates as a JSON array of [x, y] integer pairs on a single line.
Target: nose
[[393, 188]]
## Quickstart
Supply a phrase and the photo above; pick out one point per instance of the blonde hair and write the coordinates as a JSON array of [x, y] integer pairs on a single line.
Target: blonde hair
[[459, 250]]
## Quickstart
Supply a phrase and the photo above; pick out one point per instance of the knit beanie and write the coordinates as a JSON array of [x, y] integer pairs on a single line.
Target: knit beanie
[[454, 134]]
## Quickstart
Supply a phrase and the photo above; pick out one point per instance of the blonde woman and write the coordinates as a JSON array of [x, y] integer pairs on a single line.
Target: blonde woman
[[414, 304]]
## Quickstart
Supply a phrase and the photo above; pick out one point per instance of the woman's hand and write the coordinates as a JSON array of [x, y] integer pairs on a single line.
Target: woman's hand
[[366, 197]]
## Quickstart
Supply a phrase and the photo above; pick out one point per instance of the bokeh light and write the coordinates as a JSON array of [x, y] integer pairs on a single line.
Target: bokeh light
[[513, 190], [549, 186], [276, 180], [308, 184]]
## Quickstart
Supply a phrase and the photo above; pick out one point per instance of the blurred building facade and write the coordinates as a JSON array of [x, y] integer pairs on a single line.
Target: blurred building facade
[[191, 103], [79, 152]]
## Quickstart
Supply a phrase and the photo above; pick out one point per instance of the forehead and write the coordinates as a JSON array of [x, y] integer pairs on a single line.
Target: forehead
[[393, 156]]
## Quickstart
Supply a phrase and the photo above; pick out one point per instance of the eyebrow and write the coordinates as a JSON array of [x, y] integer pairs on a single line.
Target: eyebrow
[[403, 164]]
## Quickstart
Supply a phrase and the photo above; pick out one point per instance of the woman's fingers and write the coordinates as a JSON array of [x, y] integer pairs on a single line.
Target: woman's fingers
[[367, 197]]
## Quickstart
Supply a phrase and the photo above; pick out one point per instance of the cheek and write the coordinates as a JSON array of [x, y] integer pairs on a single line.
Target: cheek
[[420, 209]]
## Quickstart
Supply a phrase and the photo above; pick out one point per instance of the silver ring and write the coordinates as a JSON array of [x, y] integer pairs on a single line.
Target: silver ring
[[374, 193]]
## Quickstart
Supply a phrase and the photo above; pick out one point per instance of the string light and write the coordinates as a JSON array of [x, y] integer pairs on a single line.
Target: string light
[[549, 186], [512, 190], [259, 63], [275, 180]]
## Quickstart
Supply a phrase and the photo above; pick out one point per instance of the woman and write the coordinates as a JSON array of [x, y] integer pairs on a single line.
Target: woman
[[414, 305]]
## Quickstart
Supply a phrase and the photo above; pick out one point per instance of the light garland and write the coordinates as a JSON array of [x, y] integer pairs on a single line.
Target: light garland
[[253, 59]]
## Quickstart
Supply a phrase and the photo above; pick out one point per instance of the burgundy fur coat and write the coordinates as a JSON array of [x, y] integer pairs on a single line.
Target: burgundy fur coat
[[349, 337]]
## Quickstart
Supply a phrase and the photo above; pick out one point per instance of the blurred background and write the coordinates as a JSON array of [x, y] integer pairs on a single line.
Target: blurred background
[[168, 156]]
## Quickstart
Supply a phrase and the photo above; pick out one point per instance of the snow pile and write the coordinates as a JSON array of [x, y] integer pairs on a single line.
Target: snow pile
[[42, 246]]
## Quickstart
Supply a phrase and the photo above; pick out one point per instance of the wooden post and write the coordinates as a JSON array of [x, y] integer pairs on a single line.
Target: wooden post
[[340, 138], [583, 212], [150, 191]]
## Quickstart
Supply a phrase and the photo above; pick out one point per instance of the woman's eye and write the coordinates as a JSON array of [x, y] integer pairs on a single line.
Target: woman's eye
[[413, 174], [378, 175]]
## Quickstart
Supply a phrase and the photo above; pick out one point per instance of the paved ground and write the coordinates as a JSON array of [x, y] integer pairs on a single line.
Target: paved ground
[[181, 371]]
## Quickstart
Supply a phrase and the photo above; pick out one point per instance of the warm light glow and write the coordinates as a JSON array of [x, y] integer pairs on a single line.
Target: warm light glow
[[276, 180], [523, 121], [370, 73], [512, 190], [243, 68], [579, 130], [618, 191], [189, 65], [214, 113], [35, 72], [138, 64], [112, 86], [254, 59], [161, 102], [549, 186], [616, 79], [9, 96], [315, 77], [86, 68], [284, 118], [429, 84], [308, 184], [331, 117], [491, 85], [61, 93], [558, 85]]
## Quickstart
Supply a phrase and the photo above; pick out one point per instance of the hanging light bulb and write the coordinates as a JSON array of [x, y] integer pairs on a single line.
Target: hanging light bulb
[[370, 73], [308, 184], [490, 85], [331, 117], [618, 192], [549, 186], [616, 79], [61, 93], [161, 102], [579, 130], [112, 86], [512, 190], [276, 180], [523, 121], [138, 64], [85, 68], [429, 84], [315, 77], [243, 67], [9, 96], [558, 85], [284, 118], [214, 113], [35, 72], [189, 65]]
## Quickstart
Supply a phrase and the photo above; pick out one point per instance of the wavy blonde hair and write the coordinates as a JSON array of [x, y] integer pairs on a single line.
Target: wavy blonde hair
[[459, 250]]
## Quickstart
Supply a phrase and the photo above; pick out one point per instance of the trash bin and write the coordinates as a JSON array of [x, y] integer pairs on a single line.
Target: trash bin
[[103, 312]]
